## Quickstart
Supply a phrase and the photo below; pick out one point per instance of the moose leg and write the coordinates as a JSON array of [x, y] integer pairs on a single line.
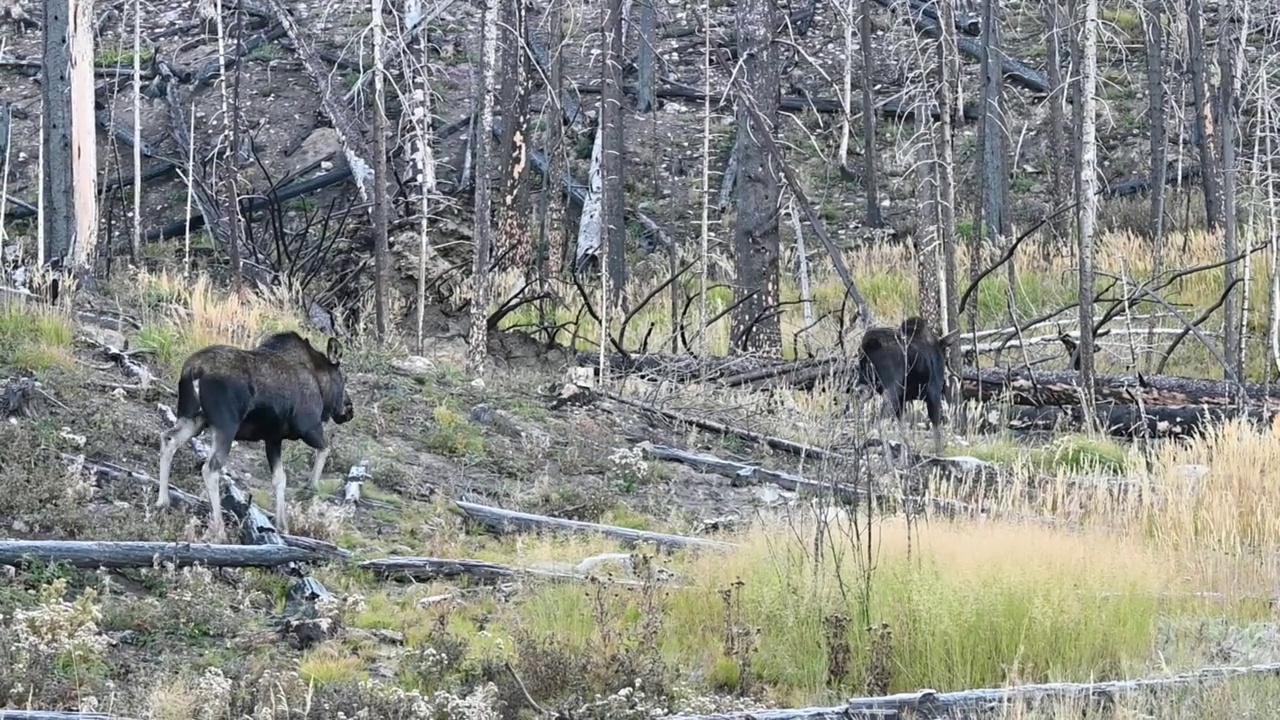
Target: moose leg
[[320, 444], [213, 480], [278, 479], [172, 439], [934, 405]]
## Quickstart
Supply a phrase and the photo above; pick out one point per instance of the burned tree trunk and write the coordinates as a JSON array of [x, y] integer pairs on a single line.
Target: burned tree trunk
[[946, 94], [513, 220], [1153, 10], [995, 173], [868, 121], [1203, 116], [755, 323], [380, 198], [613, 194], [1057, 142], [59, 188], [1228, 109], [647, 60], [478, 342]]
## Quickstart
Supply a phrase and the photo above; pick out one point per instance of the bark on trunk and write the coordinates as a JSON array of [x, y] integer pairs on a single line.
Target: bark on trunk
[[478, 342], [756, 325], [613, 193]]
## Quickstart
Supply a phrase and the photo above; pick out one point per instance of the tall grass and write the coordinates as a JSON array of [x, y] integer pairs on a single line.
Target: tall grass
[[974, 604], [34, 337], [1219, 492]]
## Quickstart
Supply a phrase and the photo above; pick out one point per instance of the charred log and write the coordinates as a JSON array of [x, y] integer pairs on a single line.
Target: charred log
[[131, 554], [1134, 421]]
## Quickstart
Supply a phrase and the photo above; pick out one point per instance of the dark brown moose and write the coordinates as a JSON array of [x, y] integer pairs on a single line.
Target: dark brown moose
[[283, 389], [906, 363]]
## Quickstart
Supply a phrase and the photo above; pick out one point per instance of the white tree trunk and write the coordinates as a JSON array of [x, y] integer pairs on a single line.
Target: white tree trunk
[[1088, 217], [589, 226], [84, 140]]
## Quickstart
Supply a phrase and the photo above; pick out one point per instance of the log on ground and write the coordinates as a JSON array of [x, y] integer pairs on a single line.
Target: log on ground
[[500, 520], [56, 715], [742, 474], [111, 472], [426, 569], [1063, 388], [134, 554], [1134, 421], [301, 625], [967, 703]]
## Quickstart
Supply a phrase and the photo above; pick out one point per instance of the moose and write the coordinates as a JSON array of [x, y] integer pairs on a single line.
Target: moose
[[906, 363], [283, 389]]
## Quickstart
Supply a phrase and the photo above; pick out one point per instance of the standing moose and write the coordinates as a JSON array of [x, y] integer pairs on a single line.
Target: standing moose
[[284, 389], [906, 363]]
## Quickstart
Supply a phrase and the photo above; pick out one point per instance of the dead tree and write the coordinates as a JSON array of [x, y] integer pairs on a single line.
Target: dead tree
[[1227, 122], [754, 320], [1088, 212], [995, 174], [1057, 121], [613, 193], [59, 196], [868, 121], [946, 93], [380, 198], [1153, 10], [513, 217], [647, 58], [478, 341], [1203, 129]]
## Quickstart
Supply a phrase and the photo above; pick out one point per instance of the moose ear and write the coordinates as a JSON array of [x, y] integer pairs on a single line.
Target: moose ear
[[334, 351]]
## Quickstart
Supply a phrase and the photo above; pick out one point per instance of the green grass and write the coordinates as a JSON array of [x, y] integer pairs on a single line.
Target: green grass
[[975, 606], [1072, 454], [34, 339]]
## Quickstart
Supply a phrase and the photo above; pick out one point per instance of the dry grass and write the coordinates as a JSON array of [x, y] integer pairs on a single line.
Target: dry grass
[[1218, 493]]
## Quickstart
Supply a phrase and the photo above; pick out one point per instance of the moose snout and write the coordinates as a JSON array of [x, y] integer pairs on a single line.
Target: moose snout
[[348, 410]]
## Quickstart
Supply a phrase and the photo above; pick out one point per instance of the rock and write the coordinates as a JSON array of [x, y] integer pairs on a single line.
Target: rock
[[593, 563], [434, 600], [103, 336], [769, 494], [412, 366], [965, 464]]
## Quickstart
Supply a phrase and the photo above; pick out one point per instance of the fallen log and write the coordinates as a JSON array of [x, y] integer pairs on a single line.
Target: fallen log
[[92, 554], [891, 108], [500, 520], [426, 569], [680, 368], [1135, 421], [1063, 388], [111, 472], [1016, 71], [745, 474], [56, 715], [933, 704], [780, 444], [742, 474]]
